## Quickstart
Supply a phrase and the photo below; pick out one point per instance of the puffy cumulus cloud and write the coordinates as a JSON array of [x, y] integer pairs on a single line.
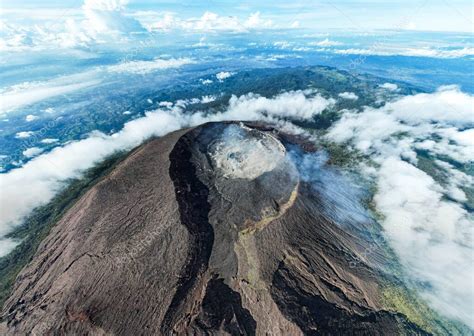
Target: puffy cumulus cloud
[[107, 5], [49, 140], [31, 152], [143, 67], [108, 21], [389, 86], [14, 37], [105, 16], [100, 21], [425, 220], [31, 117], [452, 106], [24, 134], [208, 99], [36, 183], [353, 127], [348, 95], [210, 21], [298, 105], [255, 21], [221, 76]]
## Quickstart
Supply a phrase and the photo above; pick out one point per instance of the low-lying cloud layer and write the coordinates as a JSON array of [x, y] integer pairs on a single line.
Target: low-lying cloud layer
[[426, 220], [413, 52], [144, 67], [29, 93]]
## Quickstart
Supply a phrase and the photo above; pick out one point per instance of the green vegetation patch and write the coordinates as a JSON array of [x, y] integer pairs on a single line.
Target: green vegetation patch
[[397, 297]]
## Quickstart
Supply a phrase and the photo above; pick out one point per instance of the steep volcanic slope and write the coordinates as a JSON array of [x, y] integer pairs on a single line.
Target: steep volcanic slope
[[211, 230]]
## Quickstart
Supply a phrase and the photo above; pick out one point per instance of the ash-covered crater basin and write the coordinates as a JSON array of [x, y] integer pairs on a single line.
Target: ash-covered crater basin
[[247, 153], [248, 171]]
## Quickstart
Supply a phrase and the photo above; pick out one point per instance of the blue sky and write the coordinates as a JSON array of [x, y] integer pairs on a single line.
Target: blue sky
[[437, 15]]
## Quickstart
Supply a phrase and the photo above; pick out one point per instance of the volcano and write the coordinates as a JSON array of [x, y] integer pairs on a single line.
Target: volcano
[[213, 230]]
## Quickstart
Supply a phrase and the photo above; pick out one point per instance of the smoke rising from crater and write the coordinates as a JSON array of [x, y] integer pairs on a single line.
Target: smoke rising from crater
[[240, 156]]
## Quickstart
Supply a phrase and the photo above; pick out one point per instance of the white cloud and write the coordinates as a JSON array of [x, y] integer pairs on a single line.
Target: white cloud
[[298, 105], [105, 5], [100, 21], [144, 67], [49, 140], [24, 134], [166, 104], [412, 52], [6, 245], [206, 81], [29, 93], [221, 76], [207, 99], [353, 126], [105, 16], [108, 21], [31, 152], [455, 181], [453, 106], [325, 43], [282, 44], [210, 21], [255, 21], [31, 117], [432, 235], [348, 95], [439, 53], [389, 86]]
